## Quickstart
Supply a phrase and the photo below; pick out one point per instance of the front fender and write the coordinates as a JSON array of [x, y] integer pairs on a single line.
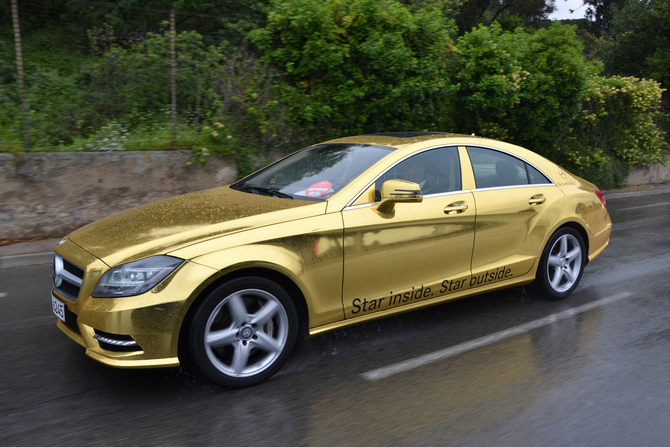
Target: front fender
[[311, 259]]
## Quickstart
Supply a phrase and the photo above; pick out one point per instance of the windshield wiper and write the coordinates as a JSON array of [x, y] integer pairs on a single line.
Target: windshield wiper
[[266, 191]]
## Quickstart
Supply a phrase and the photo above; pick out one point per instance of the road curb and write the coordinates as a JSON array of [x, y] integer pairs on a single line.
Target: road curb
[[637, 192]]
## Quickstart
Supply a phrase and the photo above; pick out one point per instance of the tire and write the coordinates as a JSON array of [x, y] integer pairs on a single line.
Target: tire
[[562, 264], [243, 332]]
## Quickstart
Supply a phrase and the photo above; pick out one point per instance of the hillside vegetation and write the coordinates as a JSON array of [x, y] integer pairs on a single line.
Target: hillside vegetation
[[257, 77]]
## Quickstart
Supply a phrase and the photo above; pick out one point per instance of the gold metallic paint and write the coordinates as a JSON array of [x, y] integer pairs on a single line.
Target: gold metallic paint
[[163, 225], [584, 207], [333, 253], [467, 175], [513, 282], [153, 318], [510, 229], [420, 245], [311, 259], [367, 197]]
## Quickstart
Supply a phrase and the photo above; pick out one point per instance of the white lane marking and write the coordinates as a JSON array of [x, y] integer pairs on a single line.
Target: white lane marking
[[407, 365], [643, 206], [3, 294]]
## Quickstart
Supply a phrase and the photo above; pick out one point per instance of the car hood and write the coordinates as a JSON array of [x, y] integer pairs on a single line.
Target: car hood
[[167, 224]]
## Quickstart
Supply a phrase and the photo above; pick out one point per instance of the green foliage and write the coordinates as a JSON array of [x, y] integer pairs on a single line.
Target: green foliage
[[638, 44], [615, 131], [131, 20], [139, 77], [356, 66], [448, 8], [124, 86], [120, 100], [226, 100], [51, 87], [520, 86], [98, 78], [247, 118], [10, 140], [55, 103], [115, 136], [510, 14], [599, 13], [639, 41]]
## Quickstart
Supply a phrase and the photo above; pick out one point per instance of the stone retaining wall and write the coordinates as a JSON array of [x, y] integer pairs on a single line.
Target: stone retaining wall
[[53, 194], [650, 175]]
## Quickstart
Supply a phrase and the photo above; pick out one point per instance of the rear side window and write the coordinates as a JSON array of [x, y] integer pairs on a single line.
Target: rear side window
[[495, 169], [535, 177]]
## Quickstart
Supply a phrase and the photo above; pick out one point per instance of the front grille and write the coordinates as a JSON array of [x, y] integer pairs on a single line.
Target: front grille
[[68, 277]]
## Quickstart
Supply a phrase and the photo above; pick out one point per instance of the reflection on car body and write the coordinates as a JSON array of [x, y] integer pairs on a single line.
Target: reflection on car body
[[336, 234]]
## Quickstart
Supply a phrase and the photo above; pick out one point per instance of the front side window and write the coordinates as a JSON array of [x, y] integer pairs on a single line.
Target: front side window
[[436, 171], [494, 169], [315, 173]]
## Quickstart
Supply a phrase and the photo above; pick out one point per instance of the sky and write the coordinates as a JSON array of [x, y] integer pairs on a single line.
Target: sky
[[563, 10]]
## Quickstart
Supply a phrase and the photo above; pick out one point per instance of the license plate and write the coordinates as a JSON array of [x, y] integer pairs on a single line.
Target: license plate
[[58, 307]]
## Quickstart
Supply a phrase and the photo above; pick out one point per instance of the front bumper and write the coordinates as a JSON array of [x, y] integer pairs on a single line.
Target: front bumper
[[146, 326]]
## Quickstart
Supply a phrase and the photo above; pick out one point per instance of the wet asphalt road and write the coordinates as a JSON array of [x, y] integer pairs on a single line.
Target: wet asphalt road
[[595, 375]]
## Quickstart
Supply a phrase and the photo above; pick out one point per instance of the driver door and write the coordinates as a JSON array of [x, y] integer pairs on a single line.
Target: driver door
[[420, 250]]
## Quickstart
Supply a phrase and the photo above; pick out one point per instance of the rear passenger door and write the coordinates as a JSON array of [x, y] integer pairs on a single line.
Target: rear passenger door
[[516, 207]]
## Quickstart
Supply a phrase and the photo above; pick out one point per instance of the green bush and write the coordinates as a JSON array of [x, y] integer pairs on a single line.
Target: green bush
[[115, 136], [248, 117], [328, 68], [615, 130], [353, 66], [57, 112], [638, 44], [10, 140], [137, 79], [520, 86]]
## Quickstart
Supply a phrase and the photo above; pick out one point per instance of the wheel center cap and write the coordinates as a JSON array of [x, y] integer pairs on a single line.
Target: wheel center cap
[[246, 333], [564, 262]]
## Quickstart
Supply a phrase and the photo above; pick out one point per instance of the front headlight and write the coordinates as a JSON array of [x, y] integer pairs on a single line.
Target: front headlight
[[136, 277]]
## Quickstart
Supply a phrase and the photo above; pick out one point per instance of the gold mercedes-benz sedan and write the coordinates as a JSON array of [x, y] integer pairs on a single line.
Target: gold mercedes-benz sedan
[[336, 234]]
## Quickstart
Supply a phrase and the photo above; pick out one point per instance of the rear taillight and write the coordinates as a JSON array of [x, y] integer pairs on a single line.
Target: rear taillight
[[601, 196]]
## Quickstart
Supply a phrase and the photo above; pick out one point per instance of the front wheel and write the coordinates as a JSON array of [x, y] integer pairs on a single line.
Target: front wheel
[[243, 332], [562, 264]]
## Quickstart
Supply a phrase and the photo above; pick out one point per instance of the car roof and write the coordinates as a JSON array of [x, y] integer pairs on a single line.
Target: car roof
[[401, 139], [420, 140]]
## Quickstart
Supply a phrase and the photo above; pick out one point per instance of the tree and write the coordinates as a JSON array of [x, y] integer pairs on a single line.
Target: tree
[[354, 66], [526, 87], [132, 20], [509, 13], [638, 43], [600, 13], [615, 131]]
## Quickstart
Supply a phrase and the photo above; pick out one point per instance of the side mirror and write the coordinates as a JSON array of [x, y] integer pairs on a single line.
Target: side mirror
[[398, 191]]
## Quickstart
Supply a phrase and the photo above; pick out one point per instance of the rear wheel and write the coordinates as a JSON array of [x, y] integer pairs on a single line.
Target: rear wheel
[[243, 332], [562, 264]]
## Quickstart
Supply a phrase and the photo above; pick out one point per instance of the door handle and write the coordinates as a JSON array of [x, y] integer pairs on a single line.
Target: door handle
[[456, 208], [537, 200]]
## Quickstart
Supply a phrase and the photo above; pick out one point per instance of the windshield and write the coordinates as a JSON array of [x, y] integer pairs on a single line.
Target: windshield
[[315, 173]]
